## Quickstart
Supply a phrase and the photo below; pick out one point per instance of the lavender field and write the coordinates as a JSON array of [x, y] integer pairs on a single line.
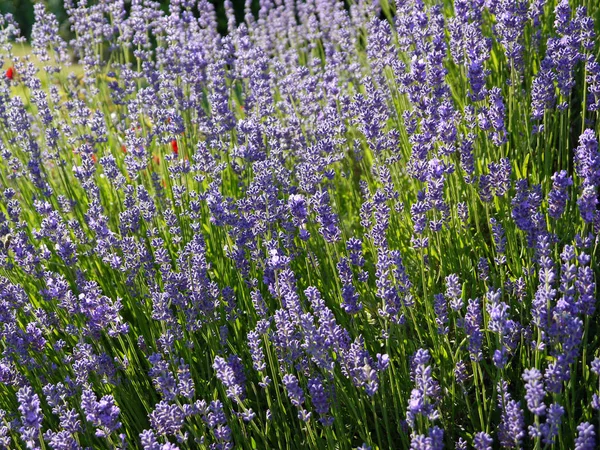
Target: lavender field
[[356, 225]]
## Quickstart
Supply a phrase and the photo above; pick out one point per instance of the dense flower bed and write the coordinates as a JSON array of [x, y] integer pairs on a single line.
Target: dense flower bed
[[363, 227]]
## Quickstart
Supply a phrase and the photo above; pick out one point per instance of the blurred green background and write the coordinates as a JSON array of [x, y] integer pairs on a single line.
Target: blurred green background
[[23, 12]]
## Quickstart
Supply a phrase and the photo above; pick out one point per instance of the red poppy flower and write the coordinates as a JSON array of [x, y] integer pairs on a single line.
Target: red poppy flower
[[10, 73], [175, 147]]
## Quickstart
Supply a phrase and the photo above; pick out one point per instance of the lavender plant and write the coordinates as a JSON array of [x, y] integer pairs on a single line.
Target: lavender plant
[[350, 226]]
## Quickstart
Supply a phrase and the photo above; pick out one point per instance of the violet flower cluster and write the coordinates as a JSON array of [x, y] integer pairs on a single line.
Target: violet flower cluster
[[349, 225]]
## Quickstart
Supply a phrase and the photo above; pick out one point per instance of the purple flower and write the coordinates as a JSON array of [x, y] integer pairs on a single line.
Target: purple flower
[[295, 392], [460, 372], [499, 323], [586, 438], [215, 418], [558, 196], [258, 356], [476, 75], [162, 377], [31, 416], [231, 373], [511, 19], [525, 212], [498, 236], [551, 427], [381, 215], [587, 158], [441, 310], [424, 397], [103, 414], [461, 444], [351, 298], [593, 82], [587, 165], [61, 440], [500, 173], [296, 395], [595, 403], [185, 383], [320, 398], [467, 161], [546, 292], [359, 366], [482, 441], [587, 203], [354, 246], [472, 324], [434, 441], [565, 51], [326, 218], [298, 208], [542, 90], [485, 188], [167, 419], [512, 427], [595, 365], [454, 292], [535, 391], [496, 116]]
